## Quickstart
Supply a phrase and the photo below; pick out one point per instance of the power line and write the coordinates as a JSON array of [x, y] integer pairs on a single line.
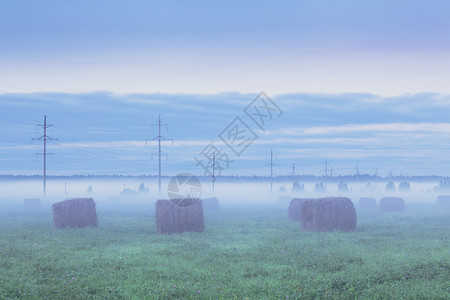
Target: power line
[[159, 153], [44, 138]]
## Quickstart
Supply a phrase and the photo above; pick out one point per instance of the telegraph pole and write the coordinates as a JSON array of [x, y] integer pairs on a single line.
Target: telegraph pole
[[159, 153], [271, 164], [44, 138]]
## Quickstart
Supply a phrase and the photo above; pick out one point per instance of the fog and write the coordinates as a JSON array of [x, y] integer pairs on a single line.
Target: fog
[[123, 192]]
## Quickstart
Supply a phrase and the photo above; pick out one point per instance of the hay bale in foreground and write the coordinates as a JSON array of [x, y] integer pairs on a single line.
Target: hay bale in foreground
[[328, 214], [443, 200], [176, 216], [32, 203], [295, 207], [392, 204], [367, 203], [74, 213], [210, 203]]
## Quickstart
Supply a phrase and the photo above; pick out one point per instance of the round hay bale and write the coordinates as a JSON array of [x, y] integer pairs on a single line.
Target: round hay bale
[[443, 200], [404, 186], [295, 207], [179, 215], [328, 214], [367, 203], [390, 187], [392, 204], [74, 213], [32, 203], [210, 203]]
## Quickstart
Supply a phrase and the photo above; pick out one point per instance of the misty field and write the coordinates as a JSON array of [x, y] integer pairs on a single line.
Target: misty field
[[245, 252]]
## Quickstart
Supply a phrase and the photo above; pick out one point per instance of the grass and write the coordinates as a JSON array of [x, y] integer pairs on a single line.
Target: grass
[[243, 253]]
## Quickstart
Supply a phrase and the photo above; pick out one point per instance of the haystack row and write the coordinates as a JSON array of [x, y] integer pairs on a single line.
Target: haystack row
[[176, 216], [328, 214], [74, 213], [295, 208]]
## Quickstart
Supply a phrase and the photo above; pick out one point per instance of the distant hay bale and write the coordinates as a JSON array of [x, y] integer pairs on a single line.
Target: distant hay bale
[[367, 203], [390, 187], [328, 214], [74, 213], [392, 204], [404, 186], [210, 203], [176, 216], [32, 203], [443, 200], [295, 207]]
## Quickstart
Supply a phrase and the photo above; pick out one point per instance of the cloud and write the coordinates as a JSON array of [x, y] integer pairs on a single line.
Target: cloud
[[105, 130]]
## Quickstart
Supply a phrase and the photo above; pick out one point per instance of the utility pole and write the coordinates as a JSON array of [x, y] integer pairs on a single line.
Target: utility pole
[[159, 153], [326, 173], [271, 164], [44, 138]]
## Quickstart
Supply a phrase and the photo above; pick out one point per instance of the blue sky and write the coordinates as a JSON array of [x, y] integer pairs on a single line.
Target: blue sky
[[360, 82], [380, 47]]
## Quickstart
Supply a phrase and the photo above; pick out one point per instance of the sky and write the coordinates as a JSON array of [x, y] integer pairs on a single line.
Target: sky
[[381, 47], [359, 83], [105, 133]]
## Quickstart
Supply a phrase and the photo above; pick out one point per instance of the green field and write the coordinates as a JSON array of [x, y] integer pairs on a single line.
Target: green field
[[243, 253]]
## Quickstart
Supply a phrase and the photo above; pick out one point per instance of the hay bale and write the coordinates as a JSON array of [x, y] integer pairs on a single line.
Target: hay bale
[[179, 215], [32, 203], [404, 186], [392, 204], [443, 200], [367, 203], [73, 213], [390, 187], [295, 208], [328, 214], [210, 203]]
